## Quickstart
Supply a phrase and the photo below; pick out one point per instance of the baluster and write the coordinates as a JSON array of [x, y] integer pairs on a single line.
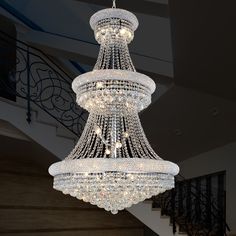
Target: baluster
[[220, 204], [188, 201], [192, 204], [180, 199], [28, 87], [198, 200], [173, 209], [208, 203]]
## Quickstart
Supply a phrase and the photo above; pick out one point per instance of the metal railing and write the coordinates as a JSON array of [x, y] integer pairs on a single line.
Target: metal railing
[[42, 82], [197, 205]]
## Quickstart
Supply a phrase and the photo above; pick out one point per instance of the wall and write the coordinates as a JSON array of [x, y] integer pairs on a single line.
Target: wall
[[30, 206], [222, 158]]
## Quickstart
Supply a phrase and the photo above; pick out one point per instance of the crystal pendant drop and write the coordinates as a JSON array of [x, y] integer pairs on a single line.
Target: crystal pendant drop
[[113, 165]]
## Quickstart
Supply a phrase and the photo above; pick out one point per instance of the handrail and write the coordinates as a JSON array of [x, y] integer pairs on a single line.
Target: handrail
[[34, 48], [41, 81]]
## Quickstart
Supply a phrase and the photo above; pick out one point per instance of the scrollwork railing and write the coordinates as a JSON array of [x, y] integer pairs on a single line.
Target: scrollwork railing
[[196, 205], [42, 82]]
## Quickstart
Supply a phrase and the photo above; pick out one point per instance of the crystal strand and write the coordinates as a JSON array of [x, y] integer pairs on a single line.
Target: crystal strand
[[98, 149], [109, 133], [132, 137], [87, 147], [119, 137], [113, 136], [125, 152], [135, 140], [77, 148], [117, 57], [128, 59], [113, 56], [97, 139], [98, 64], [154, 155], [106, 135], [103, 59], [122, 59], [141, 144], [108, 57], [92, 136]]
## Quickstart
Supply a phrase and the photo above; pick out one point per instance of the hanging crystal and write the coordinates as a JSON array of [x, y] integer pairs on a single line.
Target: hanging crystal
[[113, 165]]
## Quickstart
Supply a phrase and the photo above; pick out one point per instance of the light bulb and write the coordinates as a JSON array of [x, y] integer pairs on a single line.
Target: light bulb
[[118, 145], [122, 31], [108, 151], [126, 134], [98, 130], [99, 84], [129, 35]]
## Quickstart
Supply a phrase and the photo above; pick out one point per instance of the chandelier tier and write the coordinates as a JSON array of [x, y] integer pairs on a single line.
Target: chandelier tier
[[113, 165]]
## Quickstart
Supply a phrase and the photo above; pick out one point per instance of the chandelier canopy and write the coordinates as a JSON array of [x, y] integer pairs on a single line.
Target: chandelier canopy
[[113, 165]]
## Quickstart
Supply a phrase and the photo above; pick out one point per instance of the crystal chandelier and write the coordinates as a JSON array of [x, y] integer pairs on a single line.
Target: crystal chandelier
[[113, 166]]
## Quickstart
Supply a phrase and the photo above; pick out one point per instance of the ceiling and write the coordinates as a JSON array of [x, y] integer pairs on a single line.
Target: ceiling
[[185, 122], [203, 39], [155, 8], [198, 113]]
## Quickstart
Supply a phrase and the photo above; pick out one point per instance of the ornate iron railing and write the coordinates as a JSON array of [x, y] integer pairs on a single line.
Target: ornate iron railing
[[42, 82], [197, 205]]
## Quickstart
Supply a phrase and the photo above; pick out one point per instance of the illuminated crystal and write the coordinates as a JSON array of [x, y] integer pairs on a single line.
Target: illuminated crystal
[[113, 165]]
